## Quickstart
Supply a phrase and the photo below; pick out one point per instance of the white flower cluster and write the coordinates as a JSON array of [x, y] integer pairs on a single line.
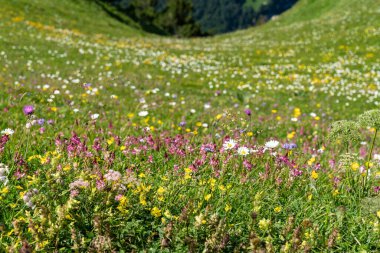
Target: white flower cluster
[[4, 171], [7, 131], [243, 151], [28, 198]]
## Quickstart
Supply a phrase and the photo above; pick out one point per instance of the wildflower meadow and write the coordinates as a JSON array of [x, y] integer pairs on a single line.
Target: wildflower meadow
[[260, 140]]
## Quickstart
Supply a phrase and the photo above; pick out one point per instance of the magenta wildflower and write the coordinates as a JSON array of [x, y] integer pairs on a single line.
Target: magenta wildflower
[[247, 165], [3, 140], [112, 175], [28, 109], [80, 183], [100, 184], [118, 197], [74, 193]]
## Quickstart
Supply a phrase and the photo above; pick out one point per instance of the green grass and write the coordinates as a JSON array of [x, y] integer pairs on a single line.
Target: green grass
[[317, 63]]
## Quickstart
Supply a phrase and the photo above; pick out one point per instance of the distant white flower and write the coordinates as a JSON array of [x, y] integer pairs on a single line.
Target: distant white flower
[[230, 144], [320, 151], [4, 171], [205, 125], [75, 110], [313, 114], [376, 157], [7, 131], [143, 113], [192, 111], [243, 151], [272, 144], [95, 116], [294, 119]]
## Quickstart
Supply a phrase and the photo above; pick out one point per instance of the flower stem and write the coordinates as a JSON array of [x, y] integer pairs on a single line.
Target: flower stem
[[369, 159], [372, 145]]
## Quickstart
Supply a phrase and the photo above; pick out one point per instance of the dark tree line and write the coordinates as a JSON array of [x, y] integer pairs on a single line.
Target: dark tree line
[[187, 18]]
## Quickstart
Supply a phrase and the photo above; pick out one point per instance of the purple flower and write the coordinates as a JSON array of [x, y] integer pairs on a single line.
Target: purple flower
[[247, 165], [182, 123], [41, 121], [248, 112], [289, 146], [112, 175], [28, 109], [80, 183]]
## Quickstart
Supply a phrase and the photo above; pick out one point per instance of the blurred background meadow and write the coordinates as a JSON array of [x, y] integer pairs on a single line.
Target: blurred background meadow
[[189, 126]]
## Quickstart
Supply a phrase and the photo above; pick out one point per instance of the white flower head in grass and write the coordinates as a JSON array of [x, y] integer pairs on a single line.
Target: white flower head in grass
[[271, 144], [294, 119], [230, 144], [376, 157], [95, 116], [243, 151], [143, 113], [4, 171], [7, 131]]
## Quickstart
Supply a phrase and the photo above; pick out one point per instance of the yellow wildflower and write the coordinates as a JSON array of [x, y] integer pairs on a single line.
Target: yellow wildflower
[[264, 224], [155, 212], [314, 174], [355, 166], [5, 190]]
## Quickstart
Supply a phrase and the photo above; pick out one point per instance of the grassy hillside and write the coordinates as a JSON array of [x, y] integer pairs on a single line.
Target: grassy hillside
[[137, 142]]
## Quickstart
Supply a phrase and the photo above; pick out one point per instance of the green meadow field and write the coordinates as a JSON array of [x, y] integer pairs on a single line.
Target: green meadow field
[[260, 140]]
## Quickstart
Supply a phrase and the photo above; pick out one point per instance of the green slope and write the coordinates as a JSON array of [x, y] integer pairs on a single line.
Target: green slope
[[86, 16]]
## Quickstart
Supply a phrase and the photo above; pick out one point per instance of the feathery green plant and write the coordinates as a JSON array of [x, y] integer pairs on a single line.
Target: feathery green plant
[[345, 131]]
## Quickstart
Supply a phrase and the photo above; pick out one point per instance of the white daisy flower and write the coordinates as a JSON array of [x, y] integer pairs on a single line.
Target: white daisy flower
[[143, 113], [7, 131], [95, 116], [243, 151], [272, 144], [230, 144]]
